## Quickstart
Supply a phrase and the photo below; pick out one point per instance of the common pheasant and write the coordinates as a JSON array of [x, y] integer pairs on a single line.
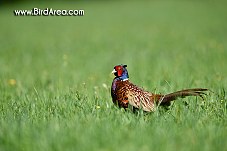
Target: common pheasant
[[124, 92]]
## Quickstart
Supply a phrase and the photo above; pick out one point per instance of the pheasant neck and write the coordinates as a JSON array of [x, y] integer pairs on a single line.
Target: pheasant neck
[[122, 78], [125, 79]]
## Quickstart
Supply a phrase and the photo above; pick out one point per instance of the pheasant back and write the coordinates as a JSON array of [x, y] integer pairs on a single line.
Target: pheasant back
[[127, 93]]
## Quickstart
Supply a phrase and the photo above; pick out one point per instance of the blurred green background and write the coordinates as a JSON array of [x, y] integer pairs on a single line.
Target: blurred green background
[[55, 75], [166, 36]]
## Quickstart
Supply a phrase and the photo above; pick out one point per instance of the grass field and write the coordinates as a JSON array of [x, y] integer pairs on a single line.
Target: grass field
[[55, 76]]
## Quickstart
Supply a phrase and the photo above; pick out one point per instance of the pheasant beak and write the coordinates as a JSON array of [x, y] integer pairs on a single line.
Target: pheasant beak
[[114, 71]]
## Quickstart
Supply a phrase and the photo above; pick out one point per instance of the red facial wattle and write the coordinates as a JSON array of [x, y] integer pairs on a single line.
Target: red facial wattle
[[119, 72]]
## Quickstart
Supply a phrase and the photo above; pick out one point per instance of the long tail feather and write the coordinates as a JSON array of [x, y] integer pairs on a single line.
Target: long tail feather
[[166, 99]]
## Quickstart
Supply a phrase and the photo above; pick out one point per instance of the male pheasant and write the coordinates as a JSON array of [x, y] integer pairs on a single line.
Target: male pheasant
[[123, 93]]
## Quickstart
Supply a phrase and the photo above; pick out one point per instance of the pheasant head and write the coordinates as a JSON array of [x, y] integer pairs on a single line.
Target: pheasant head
[[120, 72]]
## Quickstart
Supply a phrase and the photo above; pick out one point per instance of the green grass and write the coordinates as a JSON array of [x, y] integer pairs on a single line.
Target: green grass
[[55, 74]]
